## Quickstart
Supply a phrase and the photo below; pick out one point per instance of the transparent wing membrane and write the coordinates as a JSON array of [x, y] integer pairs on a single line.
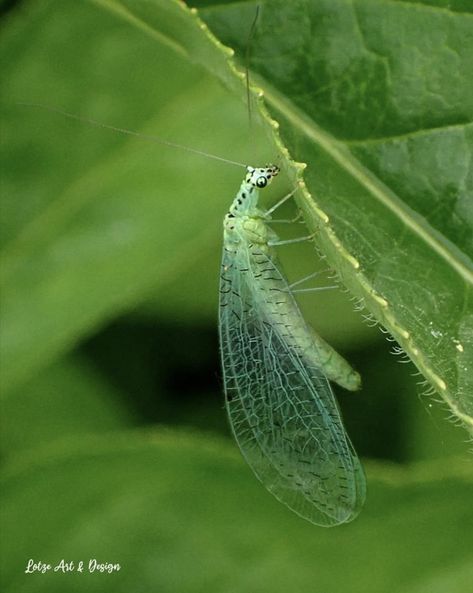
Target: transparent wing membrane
[[280, 404]]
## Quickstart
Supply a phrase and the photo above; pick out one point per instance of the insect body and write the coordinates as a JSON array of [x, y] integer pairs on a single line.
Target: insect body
[[279, 401], [280, 404]]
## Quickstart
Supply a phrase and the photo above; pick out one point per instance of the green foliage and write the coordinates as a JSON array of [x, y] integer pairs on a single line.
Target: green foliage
[[376, 97], [189, 517]]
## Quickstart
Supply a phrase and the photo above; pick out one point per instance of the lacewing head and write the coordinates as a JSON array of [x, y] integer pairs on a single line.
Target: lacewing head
[[261, 176]]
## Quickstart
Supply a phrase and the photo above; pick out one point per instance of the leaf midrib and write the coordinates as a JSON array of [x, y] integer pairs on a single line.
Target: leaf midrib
[[115, 7], [373, 185]]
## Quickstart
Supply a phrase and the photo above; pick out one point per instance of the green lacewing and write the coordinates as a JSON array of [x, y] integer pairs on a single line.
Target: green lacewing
[[281, 407]]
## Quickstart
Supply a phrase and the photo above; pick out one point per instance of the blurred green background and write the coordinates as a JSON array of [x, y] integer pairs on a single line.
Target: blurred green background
[[114, 439]]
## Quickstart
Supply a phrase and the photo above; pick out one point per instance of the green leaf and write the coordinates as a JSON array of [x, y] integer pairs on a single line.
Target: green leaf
[[374, 96], [377, 98], [69, 398], [94, 222], [182, 513]]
